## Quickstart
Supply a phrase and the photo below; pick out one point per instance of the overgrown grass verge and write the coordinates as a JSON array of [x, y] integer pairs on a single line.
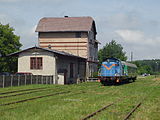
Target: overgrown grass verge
[[84, 99]]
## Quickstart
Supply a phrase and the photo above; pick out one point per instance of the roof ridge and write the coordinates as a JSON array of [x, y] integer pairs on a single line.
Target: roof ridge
[[70, 17]]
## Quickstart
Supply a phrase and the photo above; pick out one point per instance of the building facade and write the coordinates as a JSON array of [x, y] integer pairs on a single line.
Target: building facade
[[65, 68], [74, 35]]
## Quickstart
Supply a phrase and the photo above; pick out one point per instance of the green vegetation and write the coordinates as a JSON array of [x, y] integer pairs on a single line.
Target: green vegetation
[[84, 99], [111, 49], [9, 43], [148, 66]]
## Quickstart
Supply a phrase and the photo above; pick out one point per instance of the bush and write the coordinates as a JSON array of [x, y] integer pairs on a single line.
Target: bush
[[95, 74]]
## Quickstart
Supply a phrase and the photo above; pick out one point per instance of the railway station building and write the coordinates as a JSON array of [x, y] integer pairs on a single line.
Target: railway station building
[[73, 35]]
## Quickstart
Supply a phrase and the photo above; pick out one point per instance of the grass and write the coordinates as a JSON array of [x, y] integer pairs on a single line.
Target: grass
[[84, 99]]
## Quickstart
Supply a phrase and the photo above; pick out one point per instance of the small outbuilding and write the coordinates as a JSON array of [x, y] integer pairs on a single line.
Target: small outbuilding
[[66, 68]]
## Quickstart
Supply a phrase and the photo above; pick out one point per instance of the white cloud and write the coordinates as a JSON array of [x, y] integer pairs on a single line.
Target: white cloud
[[137, 37], [130, 35], [143, 45]]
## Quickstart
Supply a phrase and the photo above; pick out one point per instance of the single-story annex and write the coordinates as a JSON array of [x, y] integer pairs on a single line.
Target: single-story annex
[[66, 68]]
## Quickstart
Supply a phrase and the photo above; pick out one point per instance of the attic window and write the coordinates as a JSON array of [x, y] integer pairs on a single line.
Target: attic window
[[78, 35]]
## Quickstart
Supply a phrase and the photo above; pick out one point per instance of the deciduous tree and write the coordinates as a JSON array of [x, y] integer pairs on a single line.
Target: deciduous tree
[[9, 43], [112, 49]]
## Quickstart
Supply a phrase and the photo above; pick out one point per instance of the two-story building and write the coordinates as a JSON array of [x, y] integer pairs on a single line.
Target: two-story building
[[74, 35]]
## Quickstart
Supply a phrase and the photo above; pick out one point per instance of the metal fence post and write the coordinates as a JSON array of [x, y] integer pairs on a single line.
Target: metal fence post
[[18, 79], [50, 79], [46, 79], [25, 79], [53, 78], [3, 80], [11, 80], [31, 79], [37, 79], [41, 79]]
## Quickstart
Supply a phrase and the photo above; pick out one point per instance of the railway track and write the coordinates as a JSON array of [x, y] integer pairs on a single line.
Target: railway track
[[35, 91], [22, 90], [127, 116], [10, 108], [100, 110], [94, 113], [139, 104], [34, 98], [132, 111], [107, 106]]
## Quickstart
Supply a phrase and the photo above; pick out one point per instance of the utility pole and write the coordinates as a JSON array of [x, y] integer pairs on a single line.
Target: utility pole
[[131, 56]]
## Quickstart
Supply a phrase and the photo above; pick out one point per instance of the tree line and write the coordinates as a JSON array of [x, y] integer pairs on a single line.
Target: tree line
[[148, 66], [113, 49]]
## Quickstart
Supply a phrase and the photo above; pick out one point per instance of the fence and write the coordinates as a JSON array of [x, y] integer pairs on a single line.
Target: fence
[[17, 80]]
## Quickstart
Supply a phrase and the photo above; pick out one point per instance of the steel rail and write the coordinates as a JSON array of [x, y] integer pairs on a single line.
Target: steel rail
[[25, 93], [19, 106], [132, 111], [94, 113], [2, 93], [139, 104], [33, 98], [103, 108]]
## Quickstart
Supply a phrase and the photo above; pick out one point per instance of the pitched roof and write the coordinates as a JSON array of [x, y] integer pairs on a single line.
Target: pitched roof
[[45, 49], [64, 24]]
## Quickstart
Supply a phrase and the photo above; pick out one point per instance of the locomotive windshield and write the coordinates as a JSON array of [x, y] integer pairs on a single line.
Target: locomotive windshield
[[111, 60]]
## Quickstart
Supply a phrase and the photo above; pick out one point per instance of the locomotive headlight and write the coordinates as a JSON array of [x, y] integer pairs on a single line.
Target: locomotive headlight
[[117, 74]]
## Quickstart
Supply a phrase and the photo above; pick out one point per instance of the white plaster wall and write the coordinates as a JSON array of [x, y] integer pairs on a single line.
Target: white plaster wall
[[48, 63]]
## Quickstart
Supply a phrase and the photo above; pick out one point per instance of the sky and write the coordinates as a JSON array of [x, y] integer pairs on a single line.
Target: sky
[[135, 24]]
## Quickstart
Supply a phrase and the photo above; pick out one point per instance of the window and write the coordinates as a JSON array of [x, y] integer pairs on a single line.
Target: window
[[96, 45], [36, 63], [78, 35], [71, 70]]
